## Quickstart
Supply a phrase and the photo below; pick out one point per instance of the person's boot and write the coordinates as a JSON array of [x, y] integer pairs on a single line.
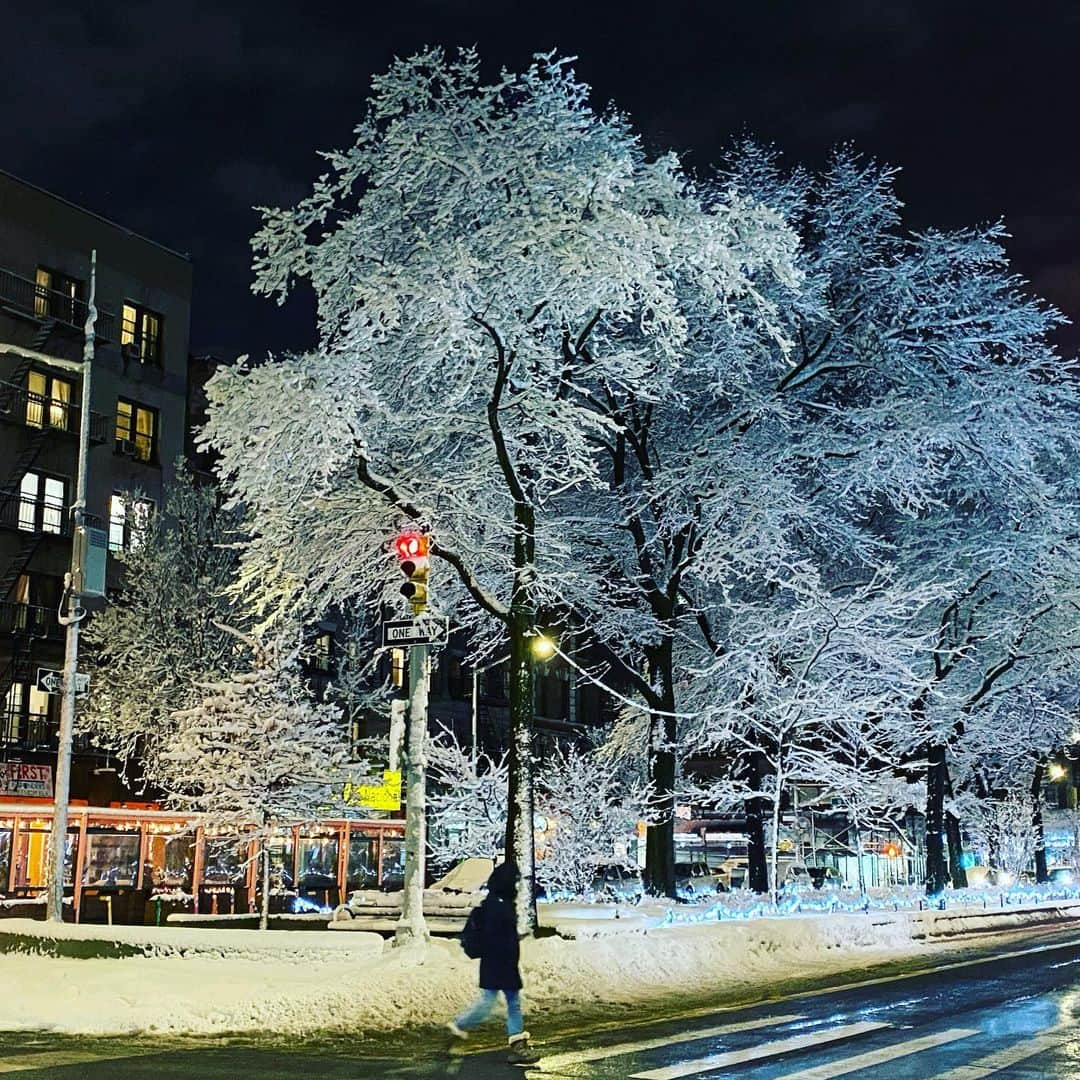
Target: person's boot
[[520, 1053], [457, 1038]]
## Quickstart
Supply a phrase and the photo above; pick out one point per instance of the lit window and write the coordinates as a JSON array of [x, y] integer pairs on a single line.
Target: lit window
[[397, 667], [48, 399], [136, 431], [140, 333], [323, 658], [129, 518], [41, 503], [58, 296]]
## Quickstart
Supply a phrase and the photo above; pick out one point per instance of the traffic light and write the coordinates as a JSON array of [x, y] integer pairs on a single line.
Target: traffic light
[[412, 549]]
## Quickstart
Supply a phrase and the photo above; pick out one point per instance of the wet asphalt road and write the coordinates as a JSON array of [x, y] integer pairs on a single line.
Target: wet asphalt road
[[1012, 1014]]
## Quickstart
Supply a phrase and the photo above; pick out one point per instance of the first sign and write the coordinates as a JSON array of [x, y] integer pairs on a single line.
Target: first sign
[[51, 681]]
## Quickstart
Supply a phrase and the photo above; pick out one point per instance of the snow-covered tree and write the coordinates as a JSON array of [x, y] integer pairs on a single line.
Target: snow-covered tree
[[466, 801], [160, 634], [256, 753], [488, 258], [590, 808], [808, 695]]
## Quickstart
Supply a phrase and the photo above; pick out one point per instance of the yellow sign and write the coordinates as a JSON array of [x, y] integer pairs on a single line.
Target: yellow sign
[[384, 796]]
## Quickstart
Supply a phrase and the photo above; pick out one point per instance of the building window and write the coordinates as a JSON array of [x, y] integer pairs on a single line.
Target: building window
[[322, 654], [397, 667], [129, 518], [140, 334], [42, 500], [57, 296], [26, 715], [48, 401], [136, 431]]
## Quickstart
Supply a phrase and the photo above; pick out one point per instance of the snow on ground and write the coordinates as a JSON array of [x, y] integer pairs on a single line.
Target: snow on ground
[[215, 981]]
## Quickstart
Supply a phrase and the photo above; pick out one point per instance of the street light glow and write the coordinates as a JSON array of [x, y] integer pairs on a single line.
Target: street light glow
[[543, 648]]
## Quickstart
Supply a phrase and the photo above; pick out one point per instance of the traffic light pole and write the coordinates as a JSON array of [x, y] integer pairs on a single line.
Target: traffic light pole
[[411, 926], [54, 909]]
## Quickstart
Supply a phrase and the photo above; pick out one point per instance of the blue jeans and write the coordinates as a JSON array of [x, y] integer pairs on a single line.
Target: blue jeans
[[481, 1008]]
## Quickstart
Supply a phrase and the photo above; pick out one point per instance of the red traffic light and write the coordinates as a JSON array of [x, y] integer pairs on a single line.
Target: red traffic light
[[411, 545]]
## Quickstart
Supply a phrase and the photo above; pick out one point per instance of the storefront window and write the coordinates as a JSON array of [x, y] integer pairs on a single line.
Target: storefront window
[[226, 861], [169, 861], [32, 853], [112, 858], [5, 856], [393, 863], [362, 852], [318, 860], [281, 861]]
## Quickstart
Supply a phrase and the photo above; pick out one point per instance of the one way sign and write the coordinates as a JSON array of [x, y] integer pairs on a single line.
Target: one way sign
[[51, 681]]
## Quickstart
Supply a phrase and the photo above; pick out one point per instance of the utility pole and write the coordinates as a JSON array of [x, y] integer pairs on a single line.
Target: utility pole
[[412, 926], [75, 614], [412, 550]]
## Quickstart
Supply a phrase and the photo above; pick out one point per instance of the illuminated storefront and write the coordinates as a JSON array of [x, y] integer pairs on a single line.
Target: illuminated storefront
[[119, 859]]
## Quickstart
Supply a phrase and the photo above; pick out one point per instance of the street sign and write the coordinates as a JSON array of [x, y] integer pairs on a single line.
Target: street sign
[[416, 632], [384, 796], [51, 681]]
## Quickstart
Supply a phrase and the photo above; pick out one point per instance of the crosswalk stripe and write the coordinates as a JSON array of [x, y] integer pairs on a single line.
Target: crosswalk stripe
[[557, 1061], [756, 1053], [53, 1059], [1002, 1059], [879, 1057]]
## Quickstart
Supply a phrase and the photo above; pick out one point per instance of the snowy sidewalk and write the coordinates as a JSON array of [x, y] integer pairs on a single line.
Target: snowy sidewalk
[[215, 981]]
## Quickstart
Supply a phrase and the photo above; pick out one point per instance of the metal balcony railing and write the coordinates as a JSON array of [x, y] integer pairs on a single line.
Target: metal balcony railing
[[28, 618], [30, 515], [30, 298], [27, 731], [20, 406]]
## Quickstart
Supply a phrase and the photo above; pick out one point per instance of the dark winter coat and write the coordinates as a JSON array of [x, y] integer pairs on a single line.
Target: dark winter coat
[[499, 959]]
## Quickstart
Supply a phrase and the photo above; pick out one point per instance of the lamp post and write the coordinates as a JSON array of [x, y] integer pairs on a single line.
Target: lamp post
[[542, 647]]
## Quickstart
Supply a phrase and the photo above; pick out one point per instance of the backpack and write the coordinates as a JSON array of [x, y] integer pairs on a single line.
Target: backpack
[[472, 937]]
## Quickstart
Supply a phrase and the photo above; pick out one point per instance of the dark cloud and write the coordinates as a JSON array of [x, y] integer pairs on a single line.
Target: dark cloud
[[177, 119]]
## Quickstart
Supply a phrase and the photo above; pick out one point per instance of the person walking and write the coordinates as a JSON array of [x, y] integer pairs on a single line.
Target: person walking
[[491, 934]]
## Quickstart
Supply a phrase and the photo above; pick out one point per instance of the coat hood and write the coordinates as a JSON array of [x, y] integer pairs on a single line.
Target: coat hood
[[503, 881]]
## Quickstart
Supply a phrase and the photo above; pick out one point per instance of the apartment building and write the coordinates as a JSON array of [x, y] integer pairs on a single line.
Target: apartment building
[[138, 403]]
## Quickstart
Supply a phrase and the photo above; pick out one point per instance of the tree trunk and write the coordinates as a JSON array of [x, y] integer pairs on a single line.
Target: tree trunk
[[660, 837], [411, 926], [520, 840], [936, 779], [774, 842], [956, 851], [264, 912], [856, 834], [758, 869], [1042, 875]]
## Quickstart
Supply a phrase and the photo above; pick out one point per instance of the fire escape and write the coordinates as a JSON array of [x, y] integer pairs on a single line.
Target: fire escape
[[41, 420]]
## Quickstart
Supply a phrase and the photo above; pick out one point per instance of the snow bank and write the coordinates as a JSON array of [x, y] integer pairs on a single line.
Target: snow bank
[[216, 981]]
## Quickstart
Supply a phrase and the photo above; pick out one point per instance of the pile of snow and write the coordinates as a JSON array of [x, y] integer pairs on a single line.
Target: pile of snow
[[216, 981], [451, 896]]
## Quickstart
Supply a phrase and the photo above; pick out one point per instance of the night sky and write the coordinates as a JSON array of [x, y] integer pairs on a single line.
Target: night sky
[[176, 119]]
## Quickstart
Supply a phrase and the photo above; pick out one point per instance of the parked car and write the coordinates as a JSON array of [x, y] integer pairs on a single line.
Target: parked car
[[1062, 875], [695, 879], [797, 876], [734, 871], [825, 877], [616, 882]]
